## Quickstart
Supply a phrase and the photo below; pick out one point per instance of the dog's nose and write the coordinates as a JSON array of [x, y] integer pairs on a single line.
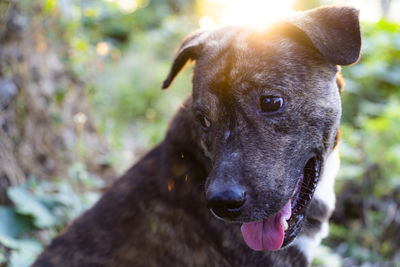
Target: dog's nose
[[228, 203]]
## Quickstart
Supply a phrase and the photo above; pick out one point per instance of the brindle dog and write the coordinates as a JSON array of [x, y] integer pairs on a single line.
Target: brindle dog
[[254, 143]]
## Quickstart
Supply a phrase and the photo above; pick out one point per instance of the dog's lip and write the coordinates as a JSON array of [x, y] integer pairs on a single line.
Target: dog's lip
[[302, 197]]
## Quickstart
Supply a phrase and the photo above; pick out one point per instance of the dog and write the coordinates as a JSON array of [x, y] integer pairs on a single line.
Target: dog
[[245, 174]]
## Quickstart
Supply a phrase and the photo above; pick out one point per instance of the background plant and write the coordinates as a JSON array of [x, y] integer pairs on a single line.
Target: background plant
[[117, 55]]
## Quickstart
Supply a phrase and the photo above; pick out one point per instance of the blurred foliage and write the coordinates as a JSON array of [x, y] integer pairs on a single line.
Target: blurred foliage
[[124, 55], [124, 52], [365, 225], [41, 209], [133, 99]]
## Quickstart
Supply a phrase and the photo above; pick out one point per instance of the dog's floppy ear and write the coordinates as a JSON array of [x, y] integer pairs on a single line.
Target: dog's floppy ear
[[333, 31], [188, 50]]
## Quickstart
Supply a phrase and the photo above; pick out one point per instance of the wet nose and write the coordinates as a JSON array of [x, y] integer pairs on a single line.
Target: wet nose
[[227, 203]]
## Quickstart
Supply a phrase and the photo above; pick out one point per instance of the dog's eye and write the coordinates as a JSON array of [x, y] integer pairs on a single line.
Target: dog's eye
[[203, 120], [270, 103]]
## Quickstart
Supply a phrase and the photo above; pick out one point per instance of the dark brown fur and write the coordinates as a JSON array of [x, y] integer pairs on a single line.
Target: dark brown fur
[[157, 215]]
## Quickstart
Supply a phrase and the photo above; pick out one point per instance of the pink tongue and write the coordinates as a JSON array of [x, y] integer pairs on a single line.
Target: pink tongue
[[267, 234]]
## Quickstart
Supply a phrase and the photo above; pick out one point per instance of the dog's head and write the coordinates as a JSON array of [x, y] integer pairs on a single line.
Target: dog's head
[[267, 109]]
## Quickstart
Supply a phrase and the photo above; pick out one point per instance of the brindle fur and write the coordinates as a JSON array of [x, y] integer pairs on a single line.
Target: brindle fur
[[156, 214]]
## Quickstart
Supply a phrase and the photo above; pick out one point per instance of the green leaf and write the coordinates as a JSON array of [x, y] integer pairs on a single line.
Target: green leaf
[[25, 253], [26, 203], [49, 5], [12, 225]]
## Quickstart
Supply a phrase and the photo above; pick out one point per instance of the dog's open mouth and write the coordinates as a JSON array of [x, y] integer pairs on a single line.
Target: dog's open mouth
[[279, 230]]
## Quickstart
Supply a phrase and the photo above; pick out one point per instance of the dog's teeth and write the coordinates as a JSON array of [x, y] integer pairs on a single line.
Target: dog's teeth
[[285, 225]]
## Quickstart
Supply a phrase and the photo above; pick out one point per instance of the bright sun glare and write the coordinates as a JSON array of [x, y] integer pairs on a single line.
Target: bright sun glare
[[261, 12], [246, 12]]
